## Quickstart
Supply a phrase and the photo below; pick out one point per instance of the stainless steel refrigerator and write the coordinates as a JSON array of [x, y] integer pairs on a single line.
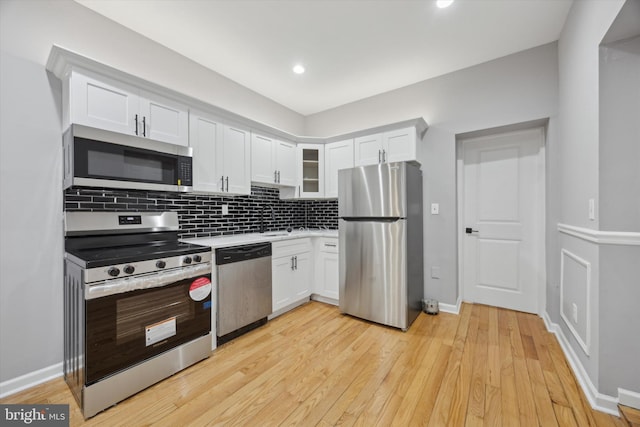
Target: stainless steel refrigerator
[[381, 251]]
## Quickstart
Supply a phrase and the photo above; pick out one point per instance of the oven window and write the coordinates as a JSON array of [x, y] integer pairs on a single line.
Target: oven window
[[128, 328], [136, 313]]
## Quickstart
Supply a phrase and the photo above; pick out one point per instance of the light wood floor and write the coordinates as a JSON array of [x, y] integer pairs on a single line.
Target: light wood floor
[[314, 366]]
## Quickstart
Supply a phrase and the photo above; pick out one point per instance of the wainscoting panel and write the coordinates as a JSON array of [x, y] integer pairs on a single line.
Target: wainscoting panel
[[575, 297]]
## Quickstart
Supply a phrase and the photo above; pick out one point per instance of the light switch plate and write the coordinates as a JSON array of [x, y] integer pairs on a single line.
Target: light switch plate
[[592, 209], [225, 209], [435, 208], [435, 272]]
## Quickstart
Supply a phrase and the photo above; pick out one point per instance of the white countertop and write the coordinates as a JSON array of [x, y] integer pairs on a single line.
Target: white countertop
[[269, 236]]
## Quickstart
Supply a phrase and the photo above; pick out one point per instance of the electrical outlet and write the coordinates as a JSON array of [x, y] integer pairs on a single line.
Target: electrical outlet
[[435, 272], [574, 312], [435, 208], [225, 209]]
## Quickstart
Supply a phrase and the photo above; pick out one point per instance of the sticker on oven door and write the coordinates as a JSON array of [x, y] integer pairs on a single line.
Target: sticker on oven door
[[200, 289], [160, 331]]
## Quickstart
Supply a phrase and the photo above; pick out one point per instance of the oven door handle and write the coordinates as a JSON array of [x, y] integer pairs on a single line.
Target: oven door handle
[[145, 281]]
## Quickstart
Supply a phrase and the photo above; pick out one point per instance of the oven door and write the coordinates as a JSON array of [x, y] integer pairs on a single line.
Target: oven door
[[127, 328]]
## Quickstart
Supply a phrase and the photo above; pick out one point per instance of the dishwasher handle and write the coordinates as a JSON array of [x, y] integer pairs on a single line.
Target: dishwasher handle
[[242, 253]]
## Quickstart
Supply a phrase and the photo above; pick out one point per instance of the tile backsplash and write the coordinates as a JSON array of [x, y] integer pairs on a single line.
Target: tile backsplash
[[201, 215]]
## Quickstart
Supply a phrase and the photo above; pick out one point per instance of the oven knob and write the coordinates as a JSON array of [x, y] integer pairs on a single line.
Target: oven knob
[[161, 264], [187, 260], [197, 258], [129, 269], [113, 271]]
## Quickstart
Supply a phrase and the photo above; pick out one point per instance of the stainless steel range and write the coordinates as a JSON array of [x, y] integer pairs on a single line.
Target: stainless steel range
[[137, 304]]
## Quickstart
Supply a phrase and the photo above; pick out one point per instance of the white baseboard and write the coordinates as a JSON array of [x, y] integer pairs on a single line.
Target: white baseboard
[[451, 308], [598, 401], [326, 300], [31, 379], [290, 307], [629, 398]]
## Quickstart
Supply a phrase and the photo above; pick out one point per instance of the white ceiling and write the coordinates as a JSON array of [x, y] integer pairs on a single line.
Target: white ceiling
[[352, 49]]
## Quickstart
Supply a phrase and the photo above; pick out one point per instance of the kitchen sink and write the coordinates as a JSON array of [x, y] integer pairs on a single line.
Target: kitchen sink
[[276, 233]]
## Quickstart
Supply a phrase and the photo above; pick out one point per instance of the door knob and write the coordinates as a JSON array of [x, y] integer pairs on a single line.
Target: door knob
[[470, 230]]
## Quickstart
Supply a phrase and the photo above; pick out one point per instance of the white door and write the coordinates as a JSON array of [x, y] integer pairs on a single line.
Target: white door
[[502, 220], [337, 155]]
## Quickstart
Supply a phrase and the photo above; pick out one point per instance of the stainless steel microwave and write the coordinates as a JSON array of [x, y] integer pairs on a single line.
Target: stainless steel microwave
[[100, 158]]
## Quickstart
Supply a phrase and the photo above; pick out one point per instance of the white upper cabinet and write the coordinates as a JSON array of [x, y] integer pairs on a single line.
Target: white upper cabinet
[[221, 156], [399, 145], [273, 161], [337, 155], [104, 103], [393, 146], [204, 134], [368, 149], [233, 160], [285, 155], [262, 168], [166, 120]]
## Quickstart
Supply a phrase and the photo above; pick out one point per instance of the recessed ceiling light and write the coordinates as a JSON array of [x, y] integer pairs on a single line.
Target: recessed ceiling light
[[443, 3], [298, 69]]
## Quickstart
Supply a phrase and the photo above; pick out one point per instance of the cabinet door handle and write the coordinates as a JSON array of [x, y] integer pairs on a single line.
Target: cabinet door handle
[[144, 126], [227, 179], [292, 263], [379, 156], [296, 261], [384, 156], [298, 191], [278, 177], [330, 245], [275, 176], [222, 183], [136, 119]]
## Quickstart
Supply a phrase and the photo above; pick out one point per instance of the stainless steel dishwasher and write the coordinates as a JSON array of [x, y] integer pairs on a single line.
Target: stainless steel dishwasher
[[244, 289]]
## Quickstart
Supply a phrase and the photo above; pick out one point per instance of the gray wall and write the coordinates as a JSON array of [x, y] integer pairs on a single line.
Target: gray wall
[[593, 156], [620, 135], [513, 89], [619, 148], [31, 246]]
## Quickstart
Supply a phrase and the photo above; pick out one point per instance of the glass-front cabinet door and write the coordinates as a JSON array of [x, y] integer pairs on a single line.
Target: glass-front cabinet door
[[311, 170]]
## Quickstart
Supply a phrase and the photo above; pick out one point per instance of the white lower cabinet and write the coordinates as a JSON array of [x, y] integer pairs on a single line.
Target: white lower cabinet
[[326, 271], [291, 272]]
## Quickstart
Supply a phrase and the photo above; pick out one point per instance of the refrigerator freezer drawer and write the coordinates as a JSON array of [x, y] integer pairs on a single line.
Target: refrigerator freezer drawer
[[373, 271]]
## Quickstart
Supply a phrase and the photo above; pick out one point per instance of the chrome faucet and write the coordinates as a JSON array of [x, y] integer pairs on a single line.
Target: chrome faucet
[[273, 216]]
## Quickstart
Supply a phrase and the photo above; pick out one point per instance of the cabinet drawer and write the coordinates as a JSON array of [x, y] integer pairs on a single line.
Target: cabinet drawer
[[329, 245], [290, 247]]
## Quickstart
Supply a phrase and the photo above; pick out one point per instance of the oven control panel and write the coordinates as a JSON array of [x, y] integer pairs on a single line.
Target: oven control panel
[[133, 269]]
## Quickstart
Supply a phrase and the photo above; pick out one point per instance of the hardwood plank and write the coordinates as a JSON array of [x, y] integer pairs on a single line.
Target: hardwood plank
[[447, 393], [524, 393], [458, 411], [630, 415], [564, 415], [509, 401], [315, 366]]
